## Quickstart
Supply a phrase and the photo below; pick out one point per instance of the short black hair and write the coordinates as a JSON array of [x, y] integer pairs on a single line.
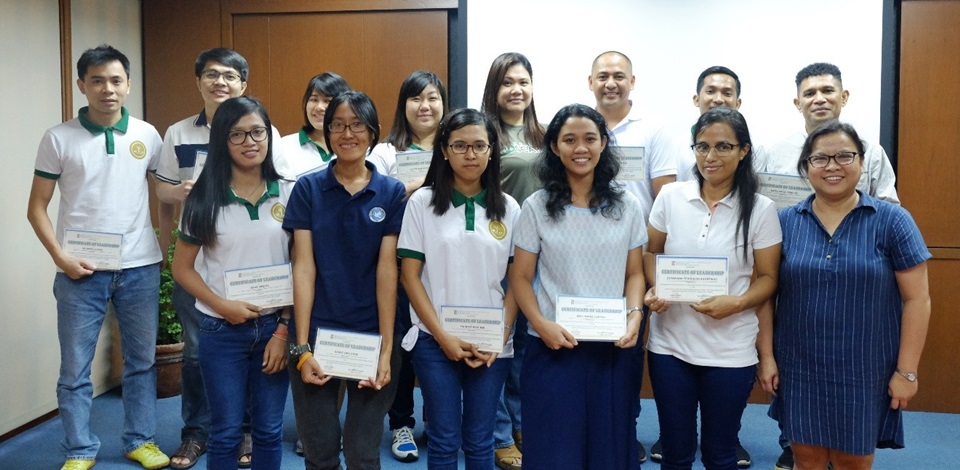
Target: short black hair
[[100, 55], [326, 83], [400, 135], [717, 69], [222, 55], [362, 106], [828, 128], [817, 69]]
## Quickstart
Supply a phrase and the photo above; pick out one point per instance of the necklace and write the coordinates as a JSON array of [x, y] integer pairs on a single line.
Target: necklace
[[251, 193]]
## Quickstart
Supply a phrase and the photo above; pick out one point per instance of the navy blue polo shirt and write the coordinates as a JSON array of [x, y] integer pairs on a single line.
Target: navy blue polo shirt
[[347, 231]]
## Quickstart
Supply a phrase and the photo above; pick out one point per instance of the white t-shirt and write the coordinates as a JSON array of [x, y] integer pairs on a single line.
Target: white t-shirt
[[692, 230], [103, 192], [302, 155], [465, 256], [581, 254]]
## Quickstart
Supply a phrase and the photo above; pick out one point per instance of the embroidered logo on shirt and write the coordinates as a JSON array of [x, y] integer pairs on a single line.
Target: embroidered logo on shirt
[[498, 229], [377, 214], [278, 211], [138, 150]]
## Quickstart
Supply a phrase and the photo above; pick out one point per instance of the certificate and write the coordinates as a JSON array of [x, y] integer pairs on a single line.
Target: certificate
[[101, 249], [593, 318], [691, 279], [199, 163], [264, 286], [347, 354], [633, 165], [785, 190], [482, 326], [412, 166]]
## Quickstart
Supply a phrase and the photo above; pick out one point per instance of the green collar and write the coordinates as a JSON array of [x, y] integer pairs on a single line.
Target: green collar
[[304, 138], [273, 190], [415, 147], [97, 129], [470, 211]]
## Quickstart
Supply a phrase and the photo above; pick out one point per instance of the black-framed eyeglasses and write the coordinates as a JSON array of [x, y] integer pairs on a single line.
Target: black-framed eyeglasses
[[842, 159], [479, 148], [722, 149], [212, 75], [258, 134], [356, 127]]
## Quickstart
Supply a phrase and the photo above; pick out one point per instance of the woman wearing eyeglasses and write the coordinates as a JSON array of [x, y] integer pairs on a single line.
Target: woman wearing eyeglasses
[[456, 244], [703, 354], [234, 215], [345, 221], [852, 312]]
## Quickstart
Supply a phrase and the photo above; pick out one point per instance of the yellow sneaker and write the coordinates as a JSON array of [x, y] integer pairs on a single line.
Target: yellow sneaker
[[150, 456], [78, 464]]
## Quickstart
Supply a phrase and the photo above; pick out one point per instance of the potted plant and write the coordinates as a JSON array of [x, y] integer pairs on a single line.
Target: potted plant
[[169, 359]]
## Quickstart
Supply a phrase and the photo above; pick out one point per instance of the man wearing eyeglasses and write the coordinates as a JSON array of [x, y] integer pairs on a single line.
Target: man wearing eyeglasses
[[221, 74], [820, 98]]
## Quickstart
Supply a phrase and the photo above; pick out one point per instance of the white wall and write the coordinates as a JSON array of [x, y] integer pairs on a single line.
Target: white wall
[[30, 93], [671, 42]]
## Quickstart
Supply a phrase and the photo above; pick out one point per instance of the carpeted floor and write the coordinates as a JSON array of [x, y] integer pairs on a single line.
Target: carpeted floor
[[933, 440]]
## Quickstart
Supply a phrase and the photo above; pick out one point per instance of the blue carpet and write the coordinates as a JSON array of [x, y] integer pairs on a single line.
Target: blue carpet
[[933, 440]]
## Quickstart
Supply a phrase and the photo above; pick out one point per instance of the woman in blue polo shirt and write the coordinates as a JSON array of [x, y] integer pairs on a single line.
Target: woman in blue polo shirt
[[345, 221], [234, 215], [456, 245]]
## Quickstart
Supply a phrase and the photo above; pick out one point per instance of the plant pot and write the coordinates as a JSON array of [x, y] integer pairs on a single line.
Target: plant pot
[[169, 364]]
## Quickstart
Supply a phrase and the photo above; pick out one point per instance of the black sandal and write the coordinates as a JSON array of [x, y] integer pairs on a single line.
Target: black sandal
[[190, 450], [245, 457]]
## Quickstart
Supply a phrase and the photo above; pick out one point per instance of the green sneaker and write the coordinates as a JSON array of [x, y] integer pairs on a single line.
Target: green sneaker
[[149, 456], [78, 464]]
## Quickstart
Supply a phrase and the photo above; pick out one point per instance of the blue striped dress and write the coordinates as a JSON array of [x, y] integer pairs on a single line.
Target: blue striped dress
[[837, 325]]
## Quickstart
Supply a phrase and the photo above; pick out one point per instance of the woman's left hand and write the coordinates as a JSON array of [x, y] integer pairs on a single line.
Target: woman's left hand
[[383, 374], [768, 374], [901, 391], [719, 306], [630, 338], [275, 355]]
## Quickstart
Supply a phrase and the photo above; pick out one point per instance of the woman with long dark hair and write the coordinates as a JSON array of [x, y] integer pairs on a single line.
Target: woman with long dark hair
[[233, 217]]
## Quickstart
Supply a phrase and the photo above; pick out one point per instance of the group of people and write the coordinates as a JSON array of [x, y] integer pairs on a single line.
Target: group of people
[[826, 302]]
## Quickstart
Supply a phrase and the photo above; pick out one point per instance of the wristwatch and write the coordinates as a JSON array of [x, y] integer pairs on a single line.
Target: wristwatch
[[283, 320], [910, 376], [297, 349]]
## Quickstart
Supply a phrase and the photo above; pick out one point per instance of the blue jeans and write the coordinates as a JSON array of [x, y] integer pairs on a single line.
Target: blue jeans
[[81, 308], [508, 407], [231, 358], [193, 398], [460, 405], [720, 392]]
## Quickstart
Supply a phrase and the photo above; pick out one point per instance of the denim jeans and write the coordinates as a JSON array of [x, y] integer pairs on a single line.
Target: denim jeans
[[460, 404], [508, 407], [193, 398], [318, 420], [721, 393], [231, 360], [81, 308]]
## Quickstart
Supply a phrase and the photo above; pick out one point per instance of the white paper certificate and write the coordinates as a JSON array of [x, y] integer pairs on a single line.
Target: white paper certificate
[[199, 163], [593, 318], [347, 354], [102, 249], [785, 190], [633, 165], [482, 326], [412, 166], [691, 279], [264, 286]]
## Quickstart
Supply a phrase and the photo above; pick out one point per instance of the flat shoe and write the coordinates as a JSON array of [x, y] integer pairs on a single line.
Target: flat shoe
[[190, 451], [508, 458], [245, 456]]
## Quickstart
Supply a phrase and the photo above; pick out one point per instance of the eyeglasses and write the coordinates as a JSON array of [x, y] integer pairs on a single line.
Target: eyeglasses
[[842, 158], [479, 148], [722, 149], [356, 127], [258, 134], [213, 75]]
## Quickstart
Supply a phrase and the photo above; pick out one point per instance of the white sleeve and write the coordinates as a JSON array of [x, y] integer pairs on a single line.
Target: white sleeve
[[882, 178]]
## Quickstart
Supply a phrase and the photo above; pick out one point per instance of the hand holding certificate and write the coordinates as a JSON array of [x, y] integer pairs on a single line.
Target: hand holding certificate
[[593, 318], [482, 326], [99, 249], [347, 355], [265, 286]]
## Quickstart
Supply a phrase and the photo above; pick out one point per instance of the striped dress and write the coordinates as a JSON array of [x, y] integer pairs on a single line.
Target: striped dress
[[837, 326]]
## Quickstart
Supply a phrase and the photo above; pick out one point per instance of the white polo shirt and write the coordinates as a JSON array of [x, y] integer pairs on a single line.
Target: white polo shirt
[[303, 156], [384, 157], [640, 130], [878, 179], [248, 236], [464, 254], [692, 230], [101, 191]]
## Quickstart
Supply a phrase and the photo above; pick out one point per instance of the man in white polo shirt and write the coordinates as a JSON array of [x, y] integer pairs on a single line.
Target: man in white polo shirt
[[105, 251], [611, 80]]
